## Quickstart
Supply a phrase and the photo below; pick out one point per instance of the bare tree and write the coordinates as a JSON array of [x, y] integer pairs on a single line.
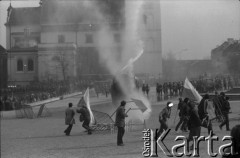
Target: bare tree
[[61, 59]]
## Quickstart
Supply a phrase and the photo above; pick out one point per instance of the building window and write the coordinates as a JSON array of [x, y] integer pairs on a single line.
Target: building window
[[61, 39], [89, 38], [19, 65], [30, 65], [117, 38]]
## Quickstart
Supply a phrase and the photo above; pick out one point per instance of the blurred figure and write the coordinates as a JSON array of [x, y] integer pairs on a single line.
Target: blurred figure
[[143, 88], [163, 117], [235, 133], [225, 111], [147, 89], [69, 119], [120, 122], [194, 123]]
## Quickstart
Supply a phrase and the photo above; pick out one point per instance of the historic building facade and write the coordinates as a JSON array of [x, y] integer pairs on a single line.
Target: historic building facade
[[58, 39]]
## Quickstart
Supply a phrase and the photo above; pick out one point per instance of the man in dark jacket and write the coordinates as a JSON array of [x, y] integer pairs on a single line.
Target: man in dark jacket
[[203, 113], [183, 114], [69, 119], [163, 117], [194, 123], [85, 117], [120, 122], [225, 110]]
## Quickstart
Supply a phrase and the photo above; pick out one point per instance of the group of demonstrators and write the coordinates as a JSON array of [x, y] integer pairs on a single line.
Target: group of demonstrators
[[12, 97], [202, 85], [86, 119], [83, 117], [193, 116]]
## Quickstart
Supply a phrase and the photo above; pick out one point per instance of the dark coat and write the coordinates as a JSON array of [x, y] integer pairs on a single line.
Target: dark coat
[[164, 114], [194, 120], [84, 113], [184, 111], [120, 117], [69, 116], [226, 107]]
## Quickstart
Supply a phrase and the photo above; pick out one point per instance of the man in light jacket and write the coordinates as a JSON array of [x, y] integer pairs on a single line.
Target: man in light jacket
[[69, 119]]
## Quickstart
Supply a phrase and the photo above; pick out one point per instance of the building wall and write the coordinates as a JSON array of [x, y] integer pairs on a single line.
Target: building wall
[[21, 77], [151, 33], [51, 68]]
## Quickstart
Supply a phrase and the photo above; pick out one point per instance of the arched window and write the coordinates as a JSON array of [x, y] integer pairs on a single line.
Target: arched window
[[30, 65], [19, 65]]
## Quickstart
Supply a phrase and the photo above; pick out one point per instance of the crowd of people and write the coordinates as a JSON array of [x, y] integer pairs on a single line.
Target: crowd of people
[[13, 97], [193, 116]]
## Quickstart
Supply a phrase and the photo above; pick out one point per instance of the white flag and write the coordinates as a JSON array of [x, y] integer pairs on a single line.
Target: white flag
[[190, 92], [87, 100]]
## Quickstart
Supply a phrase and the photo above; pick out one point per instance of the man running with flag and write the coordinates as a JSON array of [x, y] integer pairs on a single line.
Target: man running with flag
[[85, 111]]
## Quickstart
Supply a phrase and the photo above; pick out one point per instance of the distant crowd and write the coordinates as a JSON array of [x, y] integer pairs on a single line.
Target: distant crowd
[[13, 97]]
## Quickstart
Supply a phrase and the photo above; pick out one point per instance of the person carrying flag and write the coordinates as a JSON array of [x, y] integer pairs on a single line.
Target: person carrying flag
[[120, 122], [84, 116]]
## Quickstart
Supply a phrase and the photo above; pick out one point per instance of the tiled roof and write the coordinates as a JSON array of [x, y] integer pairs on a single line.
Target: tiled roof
[[28, 15]]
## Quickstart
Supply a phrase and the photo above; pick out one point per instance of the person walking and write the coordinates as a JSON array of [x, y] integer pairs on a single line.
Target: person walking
[[69, 119], [183, 114], [194, 123], [163, 117], [225, 111], [120, 122], [203, 114]]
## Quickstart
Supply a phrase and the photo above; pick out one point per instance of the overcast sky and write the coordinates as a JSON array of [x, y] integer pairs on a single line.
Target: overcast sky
[[190, 28]]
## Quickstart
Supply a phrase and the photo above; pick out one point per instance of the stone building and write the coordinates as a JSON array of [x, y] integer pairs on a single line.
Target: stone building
[[58, 40], [3, 68], [226, 57]]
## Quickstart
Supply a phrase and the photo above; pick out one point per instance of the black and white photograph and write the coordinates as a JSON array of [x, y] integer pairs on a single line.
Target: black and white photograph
[[119, 78]]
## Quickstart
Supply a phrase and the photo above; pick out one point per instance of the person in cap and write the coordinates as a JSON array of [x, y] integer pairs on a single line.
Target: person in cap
[[69, 119], [120, 122], [163, 117]]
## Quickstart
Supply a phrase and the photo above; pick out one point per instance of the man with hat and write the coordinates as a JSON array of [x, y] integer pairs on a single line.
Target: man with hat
[[120, 122]]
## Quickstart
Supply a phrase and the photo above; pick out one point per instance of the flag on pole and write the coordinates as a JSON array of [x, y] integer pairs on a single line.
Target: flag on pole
[[87, 100], [81, 102], [140, 104], [190, 92]]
